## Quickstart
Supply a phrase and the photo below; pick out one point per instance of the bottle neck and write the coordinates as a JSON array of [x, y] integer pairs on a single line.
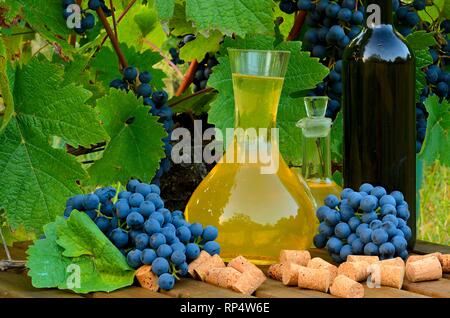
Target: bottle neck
[[378, 12], [316, 164]]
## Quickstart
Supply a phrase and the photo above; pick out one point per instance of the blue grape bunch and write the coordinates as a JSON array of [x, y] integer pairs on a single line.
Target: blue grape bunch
[[364, 222], [137, 223], [140, 84], [204, 71], [87, 18]]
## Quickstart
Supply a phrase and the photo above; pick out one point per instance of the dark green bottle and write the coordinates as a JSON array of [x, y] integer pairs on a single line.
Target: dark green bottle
[[379, 108]]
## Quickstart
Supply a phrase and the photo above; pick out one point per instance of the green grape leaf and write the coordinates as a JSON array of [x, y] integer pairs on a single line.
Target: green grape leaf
[[45, 17], [10, 236], [165, 9], [135, 149], [66, 116], [303, 73], [36, 179], [198, 48], [196, 103], [423, 59], [106, 64], [76, 255], [241, 17], [421, 40], [10, 9], [437, 140], [338, 178], [6, 100], [337, 139], [178, 24]]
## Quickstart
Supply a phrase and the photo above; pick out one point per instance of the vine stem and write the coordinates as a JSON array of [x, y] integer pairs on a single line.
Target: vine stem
[[113, 13], [5, 247], [188, 78], [297, 27], [125, 11], [171, 64], [122, 60], [203, 91]]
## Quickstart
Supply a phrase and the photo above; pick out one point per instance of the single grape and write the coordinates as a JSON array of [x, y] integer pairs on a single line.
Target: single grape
[[103, 224], [148, 256], [321, 212], [369, 203], [325, 229], [134, 258], [144, 189], [389, 227], [346, 250], [91, 202], [119, 238], [183, 269], [156, 200], [354, 222], [361, 227], [178, 247], [403, 212], [378, 192], [94, 4], [369, 217], [92, 214], [388, 209], [371, 249], [164, 250], [158, 217], [132, 184], [351, 238], [160, 266], [357, 247], [346, 192], [331, 201], [334, 245], [398, 196], [145, 77], [210, 233], [184, 234], [212, 247], [375, 224], [135, 220], [342, 230], [141, 241], [156, 240], [135, 200], [147, 208], [388, 199], [354, 200], [320, 240], [407, 231], [391, 218], [196, 229], [379, 236], [88, 22], [399, 243], [130, 73], [387, 250], [346, 212], [332, 218], [166, 281]]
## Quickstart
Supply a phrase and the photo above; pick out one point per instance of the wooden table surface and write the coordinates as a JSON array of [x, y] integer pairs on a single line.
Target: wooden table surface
[[16, 283]]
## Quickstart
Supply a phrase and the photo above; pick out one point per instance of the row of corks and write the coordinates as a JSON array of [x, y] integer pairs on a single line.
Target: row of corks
[[296, 268], [239, 275]]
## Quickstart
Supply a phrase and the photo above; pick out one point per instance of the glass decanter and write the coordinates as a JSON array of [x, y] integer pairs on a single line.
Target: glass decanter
[[316, 164], [258, 212]]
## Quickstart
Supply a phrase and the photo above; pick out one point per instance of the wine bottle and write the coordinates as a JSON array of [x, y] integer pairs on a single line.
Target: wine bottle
[[379, 108]]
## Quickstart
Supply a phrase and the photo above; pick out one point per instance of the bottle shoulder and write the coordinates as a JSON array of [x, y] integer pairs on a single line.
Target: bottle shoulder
[[380, 44]]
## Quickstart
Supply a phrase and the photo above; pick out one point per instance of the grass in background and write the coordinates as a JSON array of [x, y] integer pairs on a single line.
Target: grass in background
[[434, 220]]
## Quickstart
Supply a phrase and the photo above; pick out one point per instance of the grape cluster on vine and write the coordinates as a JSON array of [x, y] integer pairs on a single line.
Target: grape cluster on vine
[[140, 84], [368, 221], [87, 18], [138, 224], [204, 71]]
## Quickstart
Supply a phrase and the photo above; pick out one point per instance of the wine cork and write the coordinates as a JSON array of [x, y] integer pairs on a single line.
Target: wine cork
[[346, 288], [275, 271], [314, 278], [414, 258], [357, 271], [392, 275], [295, 256], [363, 258], [203, 257], [212, 262], [247, 283], [318, 263], [289, 276], [146, 278], [241, 264], [445, 262], [398, 261], [222, 277], [425, 269]]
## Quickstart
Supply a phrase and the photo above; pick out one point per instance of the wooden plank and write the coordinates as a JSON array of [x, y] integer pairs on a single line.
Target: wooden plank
[[189, 288], [129, 292], [438, 288], [275, 289], [423, 247], [388, 292], [17, 285]]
